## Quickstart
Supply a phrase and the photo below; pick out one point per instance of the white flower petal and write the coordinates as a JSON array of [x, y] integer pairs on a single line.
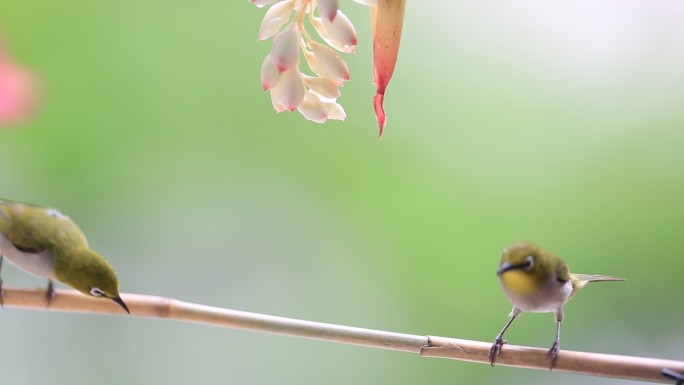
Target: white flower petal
[[318, 26], [312, 62], [324, 87], [326, 60], [285, 50], [367, 2], [261, 3], [312, 108], [275, 102], [337, 112], [341, 31], [289, 92], [269, 74], [274, 19], [328, 8]]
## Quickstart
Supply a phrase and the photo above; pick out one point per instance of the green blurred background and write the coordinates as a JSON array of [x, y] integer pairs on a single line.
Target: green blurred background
[[560, 123]]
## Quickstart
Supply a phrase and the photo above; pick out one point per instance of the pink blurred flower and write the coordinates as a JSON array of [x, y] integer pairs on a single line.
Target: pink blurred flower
[[18, 94]]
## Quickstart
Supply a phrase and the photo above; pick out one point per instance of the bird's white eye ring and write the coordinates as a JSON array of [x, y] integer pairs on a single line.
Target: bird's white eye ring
[[528, 265], [96, 292]]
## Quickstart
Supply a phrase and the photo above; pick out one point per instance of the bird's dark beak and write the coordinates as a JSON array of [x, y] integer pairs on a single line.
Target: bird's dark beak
[[121, 303], [504, 267]]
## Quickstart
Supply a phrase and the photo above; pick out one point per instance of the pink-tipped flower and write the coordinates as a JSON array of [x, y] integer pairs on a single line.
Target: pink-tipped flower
[[338, 33], [315, 97], [325, 62], [269, 74], [275, 18], [387, 19], [328, 8], [285, 50], [289, 92], [18, 91]]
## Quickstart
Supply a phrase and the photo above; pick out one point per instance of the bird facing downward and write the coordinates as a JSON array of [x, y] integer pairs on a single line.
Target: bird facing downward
[[535, 280], [48, 244]]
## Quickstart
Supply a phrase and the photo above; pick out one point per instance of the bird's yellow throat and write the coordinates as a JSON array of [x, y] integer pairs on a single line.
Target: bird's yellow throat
[[519, 282]]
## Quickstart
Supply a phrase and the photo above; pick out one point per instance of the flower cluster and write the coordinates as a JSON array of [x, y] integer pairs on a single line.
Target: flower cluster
[[314, 96]]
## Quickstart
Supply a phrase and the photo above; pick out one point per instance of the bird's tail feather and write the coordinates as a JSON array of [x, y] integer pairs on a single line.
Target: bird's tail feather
[[581, 280], [596, 278]]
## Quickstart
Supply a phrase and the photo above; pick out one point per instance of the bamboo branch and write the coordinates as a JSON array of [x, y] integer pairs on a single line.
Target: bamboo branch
[[596, 364]]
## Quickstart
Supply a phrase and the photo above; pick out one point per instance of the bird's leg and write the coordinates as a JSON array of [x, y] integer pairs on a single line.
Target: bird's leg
[[556, 345], [495, 350], [669, 373], [50, 293], [2, 291]]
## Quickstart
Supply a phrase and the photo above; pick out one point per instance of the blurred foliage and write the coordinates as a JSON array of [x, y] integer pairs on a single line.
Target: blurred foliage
[[558, 123]]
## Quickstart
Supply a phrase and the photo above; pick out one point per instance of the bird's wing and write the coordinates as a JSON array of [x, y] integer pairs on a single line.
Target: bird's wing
[[4, 218], [25, 242], [29, 229], [562, 272]]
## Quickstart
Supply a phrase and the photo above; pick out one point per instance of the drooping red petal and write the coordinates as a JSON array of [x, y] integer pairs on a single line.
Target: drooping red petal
[[387, 22], [379, 111]]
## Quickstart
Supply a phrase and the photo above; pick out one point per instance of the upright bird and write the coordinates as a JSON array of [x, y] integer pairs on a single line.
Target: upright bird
[[535, 280], [48, 244]]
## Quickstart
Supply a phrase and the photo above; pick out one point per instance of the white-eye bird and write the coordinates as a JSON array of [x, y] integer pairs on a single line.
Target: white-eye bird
[[48, 244], [535, 280]]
